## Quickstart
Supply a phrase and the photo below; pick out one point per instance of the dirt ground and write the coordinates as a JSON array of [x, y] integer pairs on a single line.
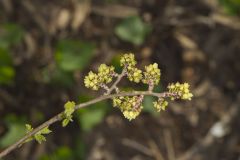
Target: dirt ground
[[192, 41]]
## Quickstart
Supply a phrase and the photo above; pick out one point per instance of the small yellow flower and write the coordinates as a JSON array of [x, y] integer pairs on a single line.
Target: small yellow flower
[[128, 60], [91, 81], [131, 114], [182, 90], [105, 73], [117, 101], [135, 75], [152, 74], [161, 104], [129, 106]]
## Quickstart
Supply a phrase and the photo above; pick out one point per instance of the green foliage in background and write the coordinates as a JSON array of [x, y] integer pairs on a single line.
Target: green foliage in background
[[62, 153], [79, 150], [231, 7], [57, 77], [90, 117], [115, 62], [73, 55], [10, 34], [147, 102], [7, 71], [133, 30], [70, 56], [66, 152], [16, 129]]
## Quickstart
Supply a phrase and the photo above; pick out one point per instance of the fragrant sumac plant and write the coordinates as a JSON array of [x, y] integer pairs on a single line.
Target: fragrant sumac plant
[[129, 103], [131, 106]]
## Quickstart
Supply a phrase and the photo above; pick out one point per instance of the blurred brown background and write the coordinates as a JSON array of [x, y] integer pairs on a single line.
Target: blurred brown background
[[46, 48]]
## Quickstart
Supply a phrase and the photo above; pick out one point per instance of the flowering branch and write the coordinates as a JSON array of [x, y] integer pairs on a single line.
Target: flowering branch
[[59, 117], [114, 86], [129, 103]]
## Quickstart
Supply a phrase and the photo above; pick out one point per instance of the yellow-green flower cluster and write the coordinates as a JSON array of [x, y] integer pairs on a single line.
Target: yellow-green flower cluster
[[131, 114], [134, 74], [182, 91], [105, 73], [92, 81], [128, 60], [151, 74], [161, 104], [129, 106], [104, 76], [117, 101]]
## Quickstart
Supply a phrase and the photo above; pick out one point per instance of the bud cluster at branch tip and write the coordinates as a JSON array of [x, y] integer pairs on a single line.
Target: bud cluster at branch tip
[[131, 106], [96, 80], [182, 91], [151, 74], [128, 61]]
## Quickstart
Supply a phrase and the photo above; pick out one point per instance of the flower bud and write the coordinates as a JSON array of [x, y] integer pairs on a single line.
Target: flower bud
[[151, 74], [182, 91]]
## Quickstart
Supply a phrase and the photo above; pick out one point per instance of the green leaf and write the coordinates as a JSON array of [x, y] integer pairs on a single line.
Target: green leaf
[[39, 135], [28, 128], [45, 130], [80, 148], [231, 7], [5, 58], [65, 122], [7, 71], [73, 55], [62, 153], [133, 29], [91, 118], [39, 138], [58, 77], [10, 35], [93, 115], [69, 108], [16, 130], [148, 106], [115, 62]]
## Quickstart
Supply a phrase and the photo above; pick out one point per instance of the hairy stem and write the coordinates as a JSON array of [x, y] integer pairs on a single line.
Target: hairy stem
[[59, 116]]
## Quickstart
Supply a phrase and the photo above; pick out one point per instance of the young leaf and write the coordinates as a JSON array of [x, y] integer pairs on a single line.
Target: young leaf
[[133, 29], [65, 122], [28, 128], [45, 130], [39, 138], [69, 108]]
